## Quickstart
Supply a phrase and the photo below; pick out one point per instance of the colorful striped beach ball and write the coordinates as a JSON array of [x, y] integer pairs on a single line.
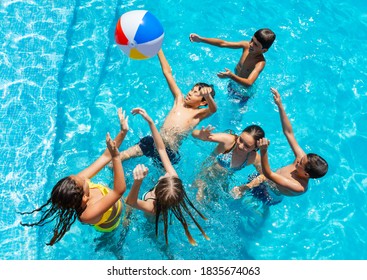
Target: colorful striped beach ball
[[139, 34]]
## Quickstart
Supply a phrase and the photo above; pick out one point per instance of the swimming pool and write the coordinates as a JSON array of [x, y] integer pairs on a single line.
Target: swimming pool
[[63, 78]]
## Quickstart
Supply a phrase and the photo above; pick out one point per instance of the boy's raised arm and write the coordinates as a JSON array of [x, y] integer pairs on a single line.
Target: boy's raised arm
[[286, 125], [217, 42], [212, 106], [167, 72], [280, 180]]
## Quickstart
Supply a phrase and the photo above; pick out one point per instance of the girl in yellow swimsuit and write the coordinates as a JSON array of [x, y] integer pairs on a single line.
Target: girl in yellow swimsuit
[[76, 197]]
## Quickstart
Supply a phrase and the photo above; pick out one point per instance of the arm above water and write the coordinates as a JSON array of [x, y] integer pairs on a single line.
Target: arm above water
[[119, 186], [140, 172], [167, 72], [161, 148], [249, 81], [286, 125], [278, 179], [218, 42], [106, 157]]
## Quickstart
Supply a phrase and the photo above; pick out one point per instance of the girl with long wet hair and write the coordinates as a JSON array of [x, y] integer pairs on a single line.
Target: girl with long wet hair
[[76, 197], [168, 195]]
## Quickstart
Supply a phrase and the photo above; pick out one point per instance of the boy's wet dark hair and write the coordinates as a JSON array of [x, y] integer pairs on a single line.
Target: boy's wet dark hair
[[200, 85], [316, 166], [265, 37]]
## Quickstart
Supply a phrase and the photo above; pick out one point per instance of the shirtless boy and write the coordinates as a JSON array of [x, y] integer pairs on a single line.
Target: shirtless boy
[[290, 180], [185, 114], [252, 60]]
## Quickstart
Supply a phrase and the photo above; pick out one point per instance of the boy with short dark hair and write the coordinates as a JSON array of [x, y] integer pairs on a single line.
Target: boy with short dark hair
[[186, 113], [292, 179], [251, 63]]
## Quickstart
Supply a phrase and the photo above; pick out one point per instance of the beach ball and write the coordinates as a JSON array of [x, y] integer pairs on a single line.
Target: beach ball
[[139, 34]]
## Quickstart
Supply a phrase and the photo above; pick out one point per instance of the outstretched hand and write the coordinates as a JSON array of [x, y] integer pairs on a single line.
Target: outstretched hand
[[276, 96], [194, 38], [205, 133], [124, 126], [111, 145], [225, 74], [143, 113], [140, 172], [263, 144], [236, 193]]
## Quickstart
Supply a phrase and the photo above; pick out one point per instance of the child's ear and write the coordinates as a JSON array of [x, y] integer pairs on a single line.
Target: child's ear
[[265, 50], [85, 198], [203, 103]]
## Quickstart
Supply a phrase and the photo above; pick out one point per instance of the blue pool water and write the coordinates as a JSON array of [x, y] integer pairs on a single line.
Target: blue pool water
[[63, 78]]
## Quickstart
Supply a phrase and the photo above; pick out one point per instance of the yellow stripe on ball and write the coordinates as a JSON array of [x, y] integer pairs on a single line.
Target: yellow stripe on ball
[[135, 54]]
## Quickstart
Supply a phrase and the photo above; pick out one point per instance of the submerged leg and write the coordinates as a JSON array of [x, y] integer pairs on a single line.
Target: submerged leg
[[201, 185], [132, 152]]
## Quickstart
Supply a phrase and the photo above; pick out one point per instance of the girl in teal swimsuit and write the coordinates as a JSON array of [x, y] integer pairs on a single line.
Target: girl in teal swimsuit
[[232, 153], [76, 197], [168, 195]]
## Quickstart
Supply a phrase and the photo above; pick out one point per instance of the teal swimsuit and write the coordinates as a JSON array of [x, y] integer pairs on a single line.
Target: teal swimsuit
[[144, 195], [225, 160]]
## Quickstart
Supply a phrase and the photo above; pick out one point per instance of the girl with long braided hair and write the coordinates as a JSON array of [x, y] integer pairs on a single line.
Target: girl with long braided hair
[[168, 195], [76, 197]]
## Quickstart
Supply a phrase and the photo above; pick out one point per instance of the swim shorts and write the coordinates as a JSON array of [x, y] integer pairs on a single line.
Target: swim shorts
[[265, 192], [239, 94], [148, 148]]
